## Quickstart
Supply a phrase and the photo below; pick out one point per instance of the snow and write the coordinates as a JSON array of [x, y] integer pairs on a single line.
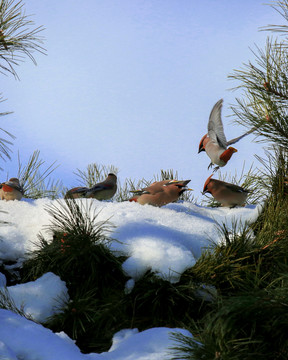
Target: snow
[[34, 299], [165, 240]]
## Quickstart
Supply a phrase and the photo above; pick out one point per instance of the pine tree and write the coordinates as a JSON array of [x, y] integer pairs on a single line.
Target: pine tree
[[249, 274]]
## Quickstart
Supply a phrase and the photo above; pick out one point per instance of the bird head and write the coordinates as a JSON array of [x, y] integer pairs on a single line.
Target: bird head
[[180, 184], [202, 144], [206, 185], [111, 175]]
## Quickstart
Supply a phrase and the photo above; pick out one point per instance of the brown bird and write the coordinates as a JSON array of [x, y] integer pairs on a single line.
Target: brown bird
[[215, 143], [160, 193], [227, 194], [104, 190], [11, 190]]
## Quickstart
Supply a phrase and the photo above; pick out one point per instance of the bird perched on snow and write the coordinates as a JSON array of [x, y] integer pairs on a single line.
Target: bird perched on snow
[[104, 190], [227, 194], [215, 143], [160, 192], [11, 190]]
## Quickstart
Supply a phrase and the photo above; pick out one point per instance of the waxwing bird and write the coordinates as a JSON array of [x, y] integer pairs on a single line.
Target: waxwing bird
[[214, 143], [227, 194], [11, 190], [160, 192], [104, 190]]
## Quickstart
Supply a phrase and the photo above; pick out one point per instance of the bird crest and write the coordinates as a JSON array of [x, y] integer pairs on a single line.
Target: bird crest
[[205, 188]]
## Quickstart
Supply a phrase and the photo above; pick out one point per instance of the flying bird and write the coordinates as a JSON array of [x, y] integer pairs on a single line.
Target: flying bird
[[11, 190], [160, 193], [104, 190], [227, 194], [214, 143]]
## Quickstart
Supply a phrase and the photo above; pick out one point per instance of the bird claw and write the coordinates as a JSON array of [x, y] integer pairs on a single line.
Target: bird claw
[[215, 169]]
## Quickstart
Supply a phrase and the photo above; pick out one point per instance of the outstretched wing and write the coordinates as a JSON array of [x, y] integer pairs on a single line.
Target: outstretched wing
[[233, 141], [215, 125]]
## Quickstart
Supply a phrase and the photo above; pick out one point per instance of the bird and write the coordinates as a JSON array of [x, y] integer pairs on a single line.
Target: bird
[[160, 193], [229, 195], [104, 190], [11, 190], [214, 143]]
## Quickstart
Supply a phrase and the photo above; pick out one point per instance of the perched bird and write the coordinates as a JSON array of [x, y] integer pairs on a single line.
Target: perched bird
[[104, 190], [227, 194], [215, 143], [11, 190], [160, 192]]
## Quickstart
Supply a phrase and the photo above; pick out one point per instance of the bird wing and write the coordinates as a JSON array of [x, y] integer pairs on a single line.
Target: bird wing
[[215, 125], [78, 190], [233, 141], [236, 188], [99, 187]]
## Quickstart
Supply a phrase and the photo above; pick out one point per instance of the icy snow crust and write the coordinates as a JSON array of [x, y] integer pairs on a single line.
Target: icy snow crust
[[167, 240]]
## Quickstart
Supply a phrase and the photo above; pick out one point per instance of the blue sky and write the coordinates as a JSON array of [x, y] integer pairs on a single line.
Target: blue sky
[[131, 83]]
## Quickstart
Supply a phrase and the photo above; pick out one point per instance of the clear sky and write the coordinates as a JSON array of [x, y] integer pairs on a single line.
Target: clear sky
[[131, 83]]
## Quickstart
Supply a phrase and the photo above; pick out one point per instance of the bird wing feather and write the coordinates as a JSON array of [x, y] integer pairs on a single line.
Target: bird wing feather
[[236, 188], [78, 190], [233, 141], [99, 187], [215, 125]]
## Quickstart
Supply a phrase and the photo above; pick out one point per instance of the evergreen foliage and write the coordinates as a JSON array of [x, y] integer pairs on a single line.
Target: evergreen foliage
[[35, 182], [18, 36], [5, 144], [94, 173], [156, 302], [249, 269], [79, 253], [234, 300]]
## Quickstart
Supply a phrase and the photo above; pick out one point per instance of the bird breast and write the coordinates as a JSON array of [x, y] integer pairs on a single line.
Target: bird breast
[[214, 151]]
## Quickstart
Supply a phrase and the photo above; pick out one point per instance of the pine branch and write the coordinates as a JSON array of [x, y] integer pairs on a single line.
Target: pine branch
[[4, 143], [94, 173], [33, 180], [18, 36], [265, 88]]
